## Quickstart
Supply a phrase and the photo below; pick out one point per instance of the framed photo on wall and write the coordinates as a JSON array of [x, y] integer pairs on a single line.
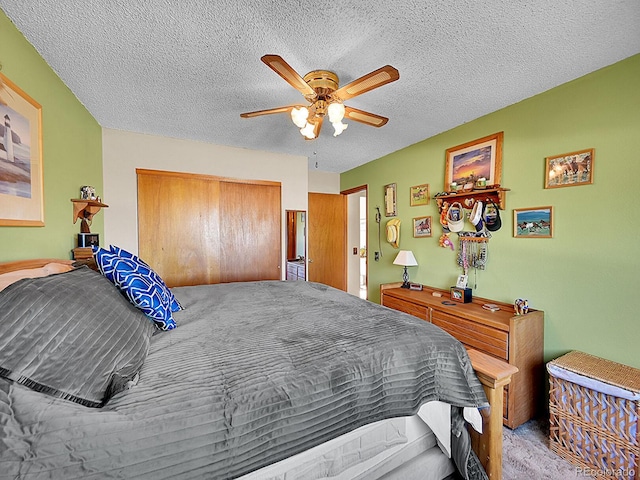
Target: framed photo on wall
[[471, 161], [390, 200], [422, 227], [21, 181], [419, 195], [533, 222], [569, 169]]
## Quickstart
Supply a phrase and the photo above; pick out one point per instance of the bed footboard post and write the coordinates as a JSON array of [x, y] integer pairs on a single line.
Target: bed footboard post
[[494, 374]]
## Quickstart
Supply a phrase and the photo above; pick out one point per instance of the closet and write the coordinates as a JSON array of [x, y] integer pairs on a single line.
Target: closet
[[200, 229]]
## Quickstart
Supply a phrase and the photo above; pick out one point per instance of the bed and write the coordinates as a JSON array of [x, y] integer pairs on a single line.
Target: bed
[[248, 385]]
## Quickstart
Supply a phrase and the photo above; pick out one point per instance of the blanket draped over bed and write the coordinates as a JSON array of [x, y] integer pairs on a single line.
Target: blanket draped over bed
[[254, 373]]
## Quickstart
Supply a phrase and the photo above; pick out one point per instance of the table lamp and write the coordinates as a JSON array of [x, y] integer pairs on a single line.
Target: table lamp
[[406, 259]]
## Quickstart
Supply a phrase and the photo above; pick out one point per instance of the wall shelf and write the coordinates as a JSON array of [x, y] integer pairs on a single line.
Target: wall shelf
[[468, 199], [86, 209]]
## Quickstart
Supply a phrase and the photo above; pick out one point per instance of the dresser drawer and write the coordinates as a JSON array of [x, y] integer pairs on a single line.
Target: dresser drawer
[[406, 307], [485, 339]]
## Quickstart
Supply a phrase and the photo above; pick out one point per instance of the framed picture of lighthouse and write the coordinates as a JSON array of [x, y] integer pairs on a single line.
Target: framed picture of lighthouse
[[21, 182]]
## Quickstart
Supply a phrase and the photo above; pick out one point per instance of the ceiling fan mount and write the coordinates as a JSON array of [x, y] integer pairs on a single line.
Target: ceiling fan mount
[[321, 88], [323, 82]]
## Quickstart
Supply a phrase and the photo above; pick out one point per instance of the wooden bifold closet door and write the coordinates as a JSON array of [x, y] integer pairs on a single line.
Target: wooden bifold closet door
[[200, 229]]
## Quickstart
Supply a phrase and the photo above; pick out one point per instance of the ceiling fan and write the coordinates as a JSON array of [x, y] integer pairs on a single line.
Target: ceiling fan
[[321, 89]]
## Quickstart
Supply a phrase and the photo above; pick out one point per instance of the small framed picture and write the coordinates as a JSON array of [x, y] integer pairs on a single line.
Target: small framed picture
[[533, 222], [569, 169], [462, 281], [419, 195], [422, 227], [390, 200]]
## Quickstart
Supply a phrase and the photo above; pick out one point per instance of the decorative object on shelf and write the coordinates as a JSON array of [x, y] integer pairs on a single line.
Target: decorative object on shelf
[[533, 222], [419, 195], [569, 169], [462, 295], [406, 259], [422, 227], [88, 193], [481, 158], [21, 177], [493, 194], [521, 306], [390, 200], [84, 210], [393, 232]]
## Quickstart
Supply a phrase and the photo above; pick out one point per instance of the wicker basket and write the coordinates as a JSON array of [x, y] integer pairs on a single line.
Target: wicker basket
[[595, 415]]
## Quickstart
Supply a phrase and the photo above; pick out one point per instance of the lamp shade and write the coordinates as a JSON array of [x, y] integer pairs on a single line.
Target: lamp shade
[[405, 258]]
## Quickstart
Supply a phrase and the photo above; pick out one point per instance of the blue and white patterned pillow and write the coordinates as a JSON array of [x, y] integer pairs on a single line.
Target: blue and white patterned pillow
[[121, 252], [139, 284]]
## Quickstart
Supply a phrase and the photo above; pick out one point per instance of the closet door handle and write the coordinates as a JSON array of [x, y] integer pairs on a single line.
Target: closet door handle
[[310, 260]]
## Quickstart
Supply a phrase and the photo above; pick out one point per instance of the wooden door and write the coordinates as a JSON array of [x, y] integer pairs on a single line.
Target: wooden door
[[250, 237], [326, 229], [178, 226], [200, 229]]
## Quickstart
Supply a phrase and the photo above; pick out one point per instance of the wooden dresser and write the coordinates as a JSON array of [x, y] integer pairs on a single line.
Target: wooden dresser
[[517, 339]]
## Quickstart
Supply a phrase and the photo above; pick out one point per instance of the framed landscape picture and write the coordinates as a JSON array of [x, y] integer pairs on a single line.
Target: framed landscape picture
[[21, 183], [569, 169], [471, 161], [533, 222]]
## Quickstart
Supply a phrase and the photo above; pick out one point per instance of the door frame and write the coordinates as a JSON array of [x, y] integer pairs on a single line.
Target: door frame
[[354, 224]]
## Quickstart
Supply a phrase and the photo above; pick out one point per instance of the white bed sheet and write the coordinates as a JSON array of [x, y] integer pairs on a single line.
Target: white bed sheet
[[376, 450]]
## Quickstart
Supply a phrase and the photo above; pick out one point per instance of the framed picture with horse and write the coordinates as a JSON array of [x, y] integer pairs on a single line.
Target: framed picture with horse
[[569, 169]]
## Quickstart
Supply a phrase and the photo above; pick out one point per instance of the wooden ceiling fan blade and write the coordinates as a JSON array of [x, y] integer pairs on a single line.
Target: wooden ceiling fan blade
[[364, 117], [282, 68], [366, 83], [269, 111]]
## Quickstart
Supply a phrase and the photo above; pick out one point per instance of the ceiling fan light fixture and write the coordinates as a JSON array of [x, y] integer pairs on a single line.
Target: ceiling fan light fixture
[[338, 128], [335, 112], [308, 131], [299, 116]]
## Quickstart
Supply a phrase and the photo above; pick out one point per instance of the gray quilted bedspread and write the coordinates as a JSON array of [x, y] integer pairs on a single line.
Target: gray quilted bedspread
[[254, 373]]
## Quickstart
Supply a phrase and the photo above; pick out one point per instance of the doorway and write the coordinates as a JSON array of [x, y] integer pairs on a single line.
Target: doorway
[[296, 245], [357, 241]]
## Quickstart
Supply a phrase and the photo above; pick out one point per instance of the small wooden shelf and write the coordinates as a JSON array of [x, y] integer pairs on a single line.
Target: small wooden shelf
[[468, 199], [86, 208]]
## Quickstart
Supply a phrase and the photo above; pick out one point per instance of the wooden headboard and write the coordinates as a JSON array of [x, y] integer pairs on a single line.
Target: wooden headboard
[[30, 263], [11, 272]]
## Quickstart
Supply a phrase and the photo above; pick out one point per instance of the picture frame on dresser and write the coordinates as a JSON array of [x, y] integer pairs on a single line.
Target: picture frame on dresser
[[21, 172]]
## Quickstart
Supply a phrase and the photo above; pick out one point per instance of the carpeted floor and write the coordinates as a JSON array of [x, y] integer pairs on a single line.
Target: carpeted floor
[[526, 455]]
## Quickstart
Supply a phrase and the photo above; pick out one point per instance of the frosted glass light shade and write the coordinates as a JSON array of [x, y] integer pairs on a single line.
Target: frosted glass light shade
[[308, 132], [335, 112], [338, 128], [299, 116]]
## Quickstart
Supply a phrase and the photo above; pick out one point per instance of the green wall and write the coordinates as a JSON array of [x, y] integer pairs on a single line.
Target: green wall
[[585, 277], [71, 146]]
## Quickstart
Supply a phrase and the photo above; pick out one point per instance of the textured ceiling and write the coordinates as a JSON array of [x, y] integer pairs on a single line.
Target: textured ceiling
[[188, 68]]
